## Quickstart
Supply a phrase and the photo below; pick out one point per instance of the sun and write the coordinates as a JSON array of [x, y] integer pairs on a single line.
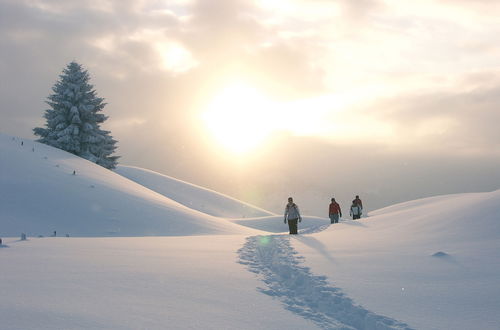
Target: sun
[[240, 118]]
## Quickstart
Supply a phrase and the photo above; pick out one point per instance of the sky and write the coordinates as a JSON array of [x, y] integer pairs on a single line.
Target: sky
[[390, 100]]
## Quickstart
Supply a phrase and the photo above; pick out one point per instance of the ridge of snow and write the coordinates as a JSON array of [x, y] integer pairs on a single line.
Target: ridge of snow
[[191, 195], [469, 216]]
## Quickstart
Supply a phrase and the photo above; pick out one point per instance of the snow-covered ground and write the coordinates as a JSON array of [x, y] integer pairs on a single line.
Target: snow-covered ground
[[218, 263], [190, 282]]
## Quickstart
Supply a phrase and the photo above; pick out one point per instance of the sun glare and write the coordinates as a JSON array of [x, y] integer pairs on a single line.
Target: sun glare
[[240, 118]]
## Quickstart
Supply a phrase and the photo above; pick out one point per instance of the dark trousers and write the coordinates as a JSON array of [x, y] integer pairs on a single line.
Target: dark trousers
[[292, 225], [354, 217], [334, 218]]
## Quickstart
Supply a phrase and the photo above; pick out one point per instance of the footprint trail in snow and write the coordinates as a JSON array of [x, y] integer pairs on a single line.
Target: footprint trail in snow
[[303, 293]]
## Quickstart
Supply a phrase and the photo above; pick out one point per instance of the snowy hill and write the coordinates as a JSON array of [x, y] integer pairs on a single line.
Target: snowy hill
[[432, 262], [426, 264], [212, 202], [39, 194], [190, 195]]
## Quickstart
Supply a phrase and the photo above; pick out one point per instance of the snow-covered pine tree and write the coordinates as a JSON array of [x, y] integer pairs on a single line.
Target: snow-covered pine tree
[[73, 119]]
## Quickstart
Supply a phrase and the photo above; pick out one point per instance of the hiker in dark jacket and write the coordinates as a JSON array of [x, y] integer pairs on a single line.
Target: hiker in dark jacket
[[356, 211], [292, 215], [334, 212]]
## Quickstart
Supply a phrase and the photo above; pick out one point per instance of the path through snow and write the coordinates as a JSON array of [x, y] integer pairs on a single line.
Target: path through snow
[[308, 295]]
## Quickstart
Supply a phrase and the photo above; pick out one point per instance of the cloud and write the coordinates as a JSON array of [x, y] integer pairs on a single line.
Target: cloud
[[462, 119], [193, 47], [391, 77]]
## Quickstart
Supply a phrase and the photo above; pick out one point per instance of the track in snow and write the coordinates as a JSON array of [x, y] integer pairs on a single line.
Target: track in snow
[[303, 293]]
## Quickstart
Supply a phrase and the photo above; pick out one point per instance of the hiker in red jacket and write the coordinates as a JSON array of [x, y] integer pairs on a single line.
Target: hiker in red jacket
[[334, 211]]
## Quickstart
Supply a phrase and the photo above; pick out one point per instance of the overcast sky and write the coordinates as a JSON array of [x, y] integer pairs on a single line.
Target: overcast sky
[[392, 100]]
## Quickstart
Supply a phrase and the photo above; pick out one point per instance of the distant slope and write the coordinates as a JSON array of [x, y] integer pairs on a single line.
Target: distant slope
[[39, 194], [192, 196], [469, 216]]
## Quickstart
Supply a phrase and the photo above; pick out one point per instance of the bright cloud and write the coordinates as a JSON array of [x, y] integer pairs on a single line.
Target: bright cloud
[[175, 58]]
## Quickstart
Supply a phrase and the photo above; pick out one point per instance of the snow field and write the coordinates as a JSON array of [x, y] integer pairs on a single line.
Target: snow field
[[191, 282], [429, 264]]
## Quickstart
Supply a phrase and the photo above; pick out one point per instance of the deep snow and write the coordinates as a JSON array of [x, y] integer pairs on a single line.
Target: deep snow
[[304, 293], [190, 282], [425, 264]]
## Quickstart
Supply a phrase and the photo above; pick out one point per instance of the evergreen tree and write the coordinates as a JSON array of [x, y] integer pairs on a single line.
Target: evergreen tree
[[73, 119]]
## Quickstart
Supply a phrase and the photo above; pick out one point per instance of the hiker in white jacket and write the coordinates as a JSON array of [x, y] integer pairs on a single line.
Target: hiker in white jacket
[[292, 215]]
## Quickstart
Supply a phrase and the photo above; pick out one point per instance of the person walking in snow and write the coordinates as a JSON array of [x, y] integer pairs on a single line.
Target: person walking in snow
[[334, 212], [355, 211], [292, 215], [357, 201]]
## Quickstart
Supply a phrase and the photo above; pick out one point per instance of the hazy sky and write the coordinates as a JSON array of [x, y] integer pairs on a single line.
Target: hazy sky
[[392, 100]]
